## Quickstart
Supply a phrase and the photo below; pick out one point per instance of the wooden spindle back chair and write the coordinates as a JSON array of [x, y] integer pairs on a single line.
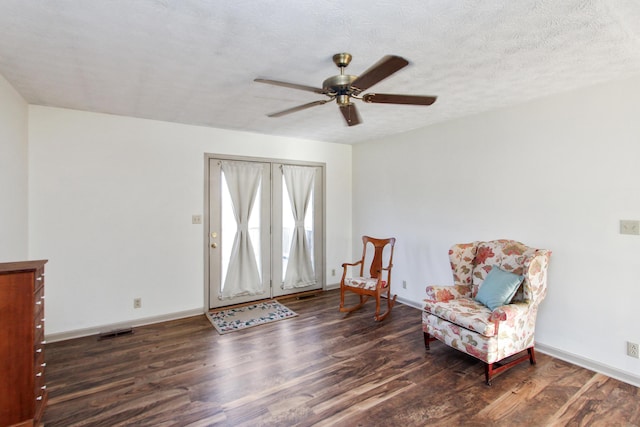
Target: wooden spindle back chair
[[377, 281]]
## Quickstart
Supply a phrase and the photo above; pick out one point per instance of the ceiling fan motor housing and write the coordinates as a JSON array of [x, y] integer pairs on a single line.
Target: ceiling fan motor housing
[[339, 85]]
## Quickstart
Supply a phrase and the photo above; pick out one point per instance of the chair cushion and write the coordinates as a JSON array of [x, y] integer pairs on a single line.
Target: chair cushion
[[465, 312], [363, 283], [498, 288]]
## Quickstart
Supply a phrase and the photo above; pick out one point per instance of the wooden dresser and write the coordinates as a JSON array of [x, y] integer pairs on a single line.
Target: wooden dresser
[[23, 393]]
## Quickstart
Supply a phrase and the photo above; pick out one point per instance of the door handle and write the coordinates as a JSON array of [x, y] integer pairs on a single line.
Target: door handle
[[214, 245]]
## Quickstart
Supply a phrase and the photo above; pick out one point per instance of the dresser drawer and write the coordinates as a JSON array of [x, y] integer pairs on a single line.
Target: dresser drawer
[[38, 334], [39, 368], [40, 387], [38, 322], [39, 278], [38, 346], [38, 301]]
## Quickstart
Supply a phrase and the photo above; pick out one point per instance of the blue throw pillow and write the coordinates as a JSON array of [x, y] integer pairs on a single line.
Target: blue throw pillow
[[498, 288]]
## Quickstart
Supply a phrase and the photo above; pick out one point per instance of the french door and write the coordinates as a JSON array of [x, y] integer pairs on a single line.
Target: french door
[[264, 229]]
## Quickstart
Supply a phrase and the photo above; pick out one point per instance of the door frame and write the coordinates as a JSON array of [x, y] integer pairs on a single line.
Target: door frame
[[206, 225]]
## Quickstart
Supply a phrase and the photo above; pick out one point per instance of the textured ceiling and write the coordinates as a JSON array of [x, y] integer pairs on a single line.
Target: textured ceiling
[[194, 61]]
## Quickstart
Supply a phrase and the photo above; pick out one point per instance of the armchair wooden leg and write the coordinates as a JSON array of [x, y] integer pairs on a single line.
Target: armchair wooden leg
[[491, 369], [427, 340], [488, 372]]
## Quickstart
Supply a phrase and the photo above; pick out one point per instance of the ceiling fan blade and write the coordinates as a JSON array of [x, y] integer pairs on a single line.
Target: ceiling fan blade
[[298, 108], [350, 114], [290, 85], [379, 71], [386, 98]]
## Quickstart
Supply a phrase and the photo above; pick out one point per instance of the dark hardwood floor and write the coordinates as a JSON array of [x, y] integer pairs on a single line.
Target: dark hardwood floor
[[320, 368]]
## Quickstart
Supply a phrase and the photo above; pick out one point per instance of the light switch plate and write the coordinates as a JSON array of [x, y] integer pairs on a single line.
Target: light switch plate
[[196, 219]]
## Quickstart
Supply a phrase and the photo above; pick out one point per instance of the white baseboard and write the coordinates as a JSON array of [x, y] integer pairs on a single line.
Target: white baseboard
[[410, 303], [589, 364], [79, 333]]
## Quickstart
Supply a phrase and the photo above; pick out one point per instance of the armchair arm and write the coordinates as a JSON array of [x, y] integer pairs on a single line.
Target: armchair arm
[[447, 293], [346, 265], [510, 311], [387, 269]]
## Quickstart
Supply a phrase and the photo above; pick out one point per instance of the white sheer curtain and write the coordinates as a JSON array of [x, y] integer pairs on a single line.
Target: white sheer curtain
[[243, 277], [299, 182]]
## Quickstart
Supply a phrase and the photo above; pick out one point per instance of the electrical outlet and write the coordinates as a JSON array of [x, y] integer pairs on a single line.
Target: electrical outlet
[[633, 350], [196, 219], [333, 272], [404, 284], [629, 226], [137, 303]]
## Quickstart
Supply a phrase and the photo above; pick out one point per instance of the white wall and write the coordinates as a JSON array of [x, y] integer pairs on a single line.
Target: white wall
[[558, 173], [111, 200], [13, 174]]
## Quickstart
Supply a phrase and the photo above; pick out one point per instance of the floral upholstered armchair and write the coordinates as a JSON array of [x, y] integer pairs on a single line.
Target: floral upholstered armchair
[[490, 311]]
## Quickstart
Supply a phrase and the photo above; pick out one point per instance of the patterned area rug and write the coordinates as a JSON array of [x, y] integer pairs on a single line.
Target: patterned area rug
[[235, 319]]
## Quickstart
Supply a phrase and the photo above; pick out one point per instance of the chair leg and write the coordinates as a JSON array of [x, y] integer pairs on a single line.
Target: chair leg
[[363, 299], [491, 369], [488, 372], [390, 302], [428, 339]]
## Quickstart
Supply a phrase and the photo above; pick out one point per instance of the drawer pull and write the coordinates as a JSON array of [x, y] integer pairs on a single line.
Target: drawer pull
[[39, 374], [39, 350], [44, 364], [44, 387], [39, 278], [39, 327], [43, 342], [43, 319], [39, 398], [42, 297], [38, 302]]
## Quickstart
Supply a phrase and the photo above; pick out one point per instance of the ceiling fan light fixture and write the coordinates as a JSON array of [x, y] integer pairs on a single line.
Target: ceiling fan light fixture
[[343, 100]]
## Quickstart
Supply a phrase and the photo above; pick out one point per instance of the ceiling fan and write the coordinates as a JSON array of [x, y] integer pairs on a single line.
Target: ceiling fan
[[345, 87]]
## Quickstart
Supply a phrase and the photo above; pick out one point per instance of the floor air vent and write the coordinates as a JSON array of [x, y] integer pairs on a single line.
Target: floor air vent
[[115, 333]]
